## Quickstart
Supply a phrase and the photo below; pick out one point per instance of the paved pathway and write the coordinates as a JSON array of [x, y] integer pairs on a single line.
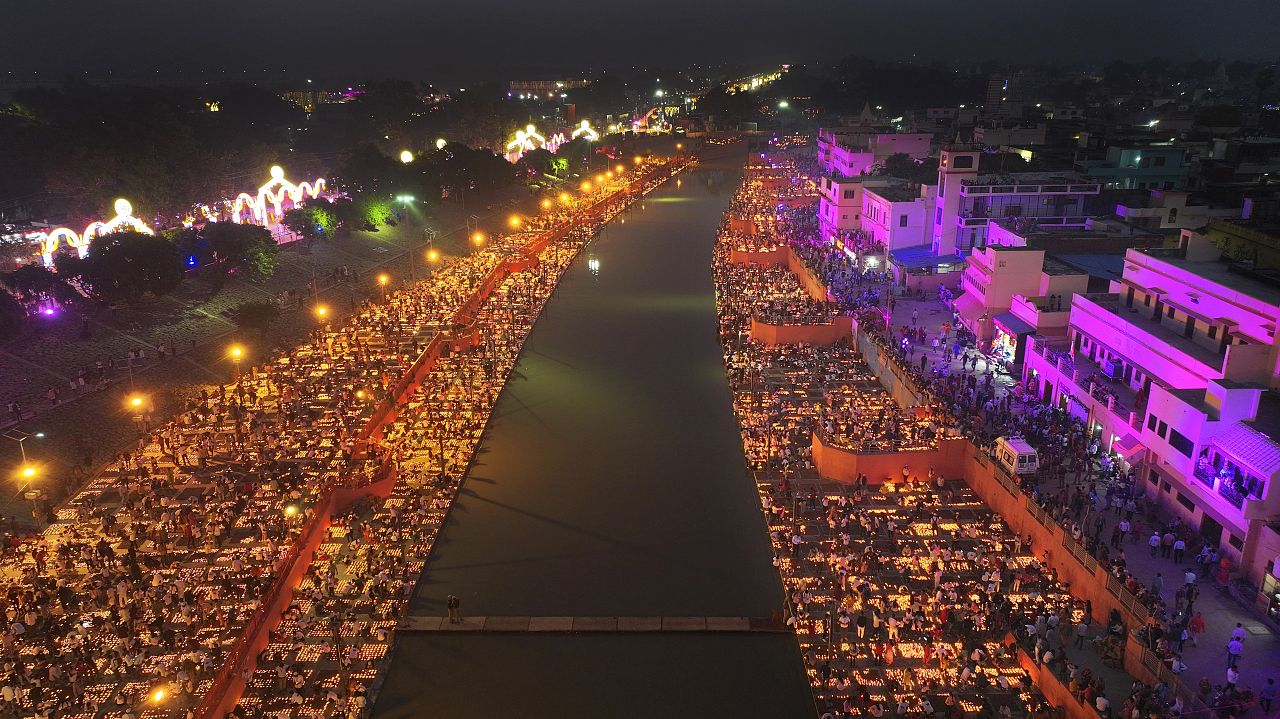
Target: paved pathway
[[419, 623]]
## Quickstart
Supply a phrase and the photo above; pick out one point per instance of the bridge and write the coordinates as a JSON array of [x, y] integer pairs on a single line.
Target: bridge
[[571, 625]]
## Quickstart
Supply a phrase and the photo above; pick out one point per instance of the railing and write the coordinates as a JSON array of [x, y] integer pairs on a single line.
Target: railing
[[317, 520]]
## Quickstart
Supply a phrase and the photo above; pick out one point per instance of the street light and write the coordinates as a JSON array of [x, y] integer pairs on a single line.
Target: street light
[[20, 437], [322, 312], [599, 179], [478, 238], [619, 169], [28, 472], [514, 221], [546, 204], [236, 352], [383, 279], [406, 156], [433, 255], [586, 186], [637, 159], [564, 197]]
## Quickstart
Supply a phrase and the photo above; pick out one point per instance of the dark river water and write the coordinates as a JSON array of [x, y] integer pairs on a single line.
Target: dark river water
[[611, 482]]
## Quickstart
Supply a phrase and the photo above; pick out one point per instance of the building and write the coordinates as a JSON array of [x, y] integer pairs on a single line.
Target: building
[[545, 87], [852, 151], [967, 201], [1139, 167], [1172, 370], [996, 274], [840, 202], [1170, 210], [1255, 244], [997, 133], [895, 216]]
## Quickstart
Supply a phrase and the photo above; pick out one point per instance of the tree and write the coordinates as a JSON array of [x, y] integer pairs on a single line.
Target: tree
[[126, 265], [310, 221], [12, 316], [33, 280], [902, 165], [242, 247], [257, 316]]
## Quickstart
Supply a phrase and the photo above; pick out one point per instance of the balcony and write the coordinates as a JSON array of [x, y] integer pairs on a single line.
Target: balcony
[[1116, 396], [1205, 473]]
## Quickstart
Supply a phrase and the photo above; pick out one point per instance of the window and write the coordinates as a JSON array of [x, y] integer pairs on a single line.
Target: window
[[1151, 422], [1188, 504], [1159, 161], [1168, 310], [962, 162], [1013, 211], [1235, 541], [1179, 441], [1153, 477], [849, 194], [1146, 300], [1213, 331], [902, 220], [1163, 430], [938, 221]]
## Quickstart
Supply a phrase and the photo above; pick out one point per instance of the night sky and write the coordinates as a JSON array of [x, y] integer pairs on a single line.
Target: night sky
[[425, 39]]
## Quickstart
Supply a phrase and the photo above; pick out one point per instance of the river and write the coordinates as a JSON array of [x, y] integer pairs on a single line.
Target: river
[[611, 483]]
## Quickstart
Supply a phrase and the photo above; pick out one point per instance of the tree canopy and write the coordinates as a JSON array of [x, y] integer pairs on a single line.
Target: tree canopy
[[126, 265]]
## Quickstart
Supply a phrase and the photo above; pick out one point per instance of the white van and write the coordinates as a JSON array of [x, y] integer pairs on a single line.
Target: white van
[[1015, 455]]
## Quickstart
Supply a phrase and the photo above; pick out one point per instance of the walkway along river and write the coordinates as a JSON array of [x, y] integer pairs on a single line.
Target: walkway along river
[[611, 483]]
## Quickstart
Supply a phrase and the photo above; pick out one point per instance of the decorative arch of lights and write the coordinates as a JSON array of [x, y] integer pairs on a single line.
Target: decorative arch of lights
[[526, 140], [264, 208], [585, 131], [274, 194], [124, 219]]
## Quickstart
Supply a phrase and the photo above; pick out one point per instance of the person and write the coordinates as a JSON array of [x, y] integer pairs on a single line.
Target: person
[[1238, 633], [1267, 695], [1233, 676], [1196, 625], [1234, 649], [1154, 543], [455, 615]]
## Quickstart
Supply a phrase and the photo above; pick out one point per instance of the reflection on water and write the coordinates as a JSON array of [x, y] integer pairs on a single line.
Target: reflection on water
[[611, 482]]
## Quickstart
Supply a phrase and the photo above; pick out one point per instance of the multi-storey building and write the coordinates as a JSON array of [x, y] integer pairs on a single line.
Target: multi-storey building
[[1139, 167], [852, 151], [968, 201], [840, 202], [896, 216], [1172, 371]]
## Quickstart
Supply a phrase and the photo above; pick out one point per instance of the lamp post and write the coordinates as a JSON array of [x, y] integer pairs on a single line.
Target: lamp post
[[20, 437], [236, 352], [383, 279]]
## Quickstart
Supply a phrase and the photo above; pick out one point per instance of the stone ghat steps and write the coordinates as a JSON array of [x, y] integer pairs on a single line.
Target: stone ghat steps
[[570, 625]]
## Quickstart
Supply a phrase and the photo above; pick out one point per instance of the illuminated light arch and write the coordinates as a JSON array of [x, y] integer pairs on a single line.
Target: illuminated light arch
[[525, 140], [124, 219], [585, 131], [555, 141], [274, 193]]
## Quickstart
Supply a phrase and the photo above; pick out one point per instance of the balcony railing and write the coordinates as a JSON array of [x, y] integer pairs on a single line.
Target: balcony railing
[[1232, 494], [1205, 473]]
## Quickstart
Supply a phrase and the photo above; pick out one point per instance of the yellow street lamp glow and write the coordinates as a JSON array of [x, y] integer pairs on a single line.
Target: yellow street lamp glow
[[359, 394], [679, 145], [599, 179], [586, 186], [290, 511], [158, 696], [28, 472], [514, 221], [440, 143], [236, 351], [406, 156], [478, 238], [609, 173], [321, 311], [637, 159], [135, 400], [433, 255], [619, 169], [564, 197], [546, 204], [383, 279]]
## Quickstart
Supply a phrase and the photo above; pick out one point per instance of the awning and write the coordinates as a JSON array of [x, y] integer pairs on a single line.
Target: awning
[[1128, 447], [1013, 325], [969, 307], [922, 257]]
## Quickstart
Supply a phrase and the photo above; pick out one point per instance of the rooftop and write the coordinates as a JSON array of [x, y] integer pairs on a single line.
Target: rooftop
[[1253, 284], [1249, 445], [897, 193], [1130, 316], [1029, 178]]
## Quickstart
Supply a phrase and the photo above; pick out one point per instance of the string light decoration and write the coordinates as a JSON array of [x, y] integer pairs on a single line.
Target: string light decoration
[[526, 140], [275, 192], [584, 131], [124, 219]]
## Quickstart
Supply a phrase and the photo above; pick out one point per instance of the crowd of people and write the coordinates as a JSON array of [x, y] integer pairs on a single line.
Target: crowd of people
[[909, 597], [136, 599]]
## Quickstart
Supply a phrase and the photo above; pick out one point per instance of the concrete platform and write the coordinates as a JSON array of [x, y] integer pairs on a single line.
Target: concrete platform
[[419, 623]]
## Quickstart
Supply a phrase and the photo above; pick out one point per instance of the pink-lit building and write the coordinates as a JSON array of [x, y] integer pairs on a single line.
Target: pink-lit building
[[896, 216], [1173, 371], [852, 151], [840, 202]]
